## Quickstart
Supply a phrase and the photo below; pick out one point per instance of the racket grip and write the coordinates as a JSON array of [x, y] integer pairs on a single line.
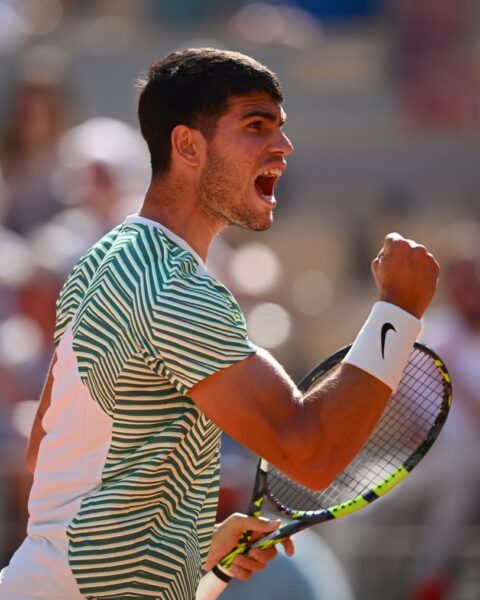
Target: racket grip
[[211, 585]]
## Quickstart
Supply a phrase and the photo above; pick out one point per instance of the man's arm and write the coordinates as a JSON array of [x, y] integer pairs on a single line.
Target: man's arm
[[310, 439], [37, 432], [313, 438]]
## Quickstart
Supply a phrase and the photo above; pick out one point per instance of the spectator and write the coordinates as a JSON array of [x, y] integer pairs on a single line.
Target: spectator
[[454, 477], [35, 118]]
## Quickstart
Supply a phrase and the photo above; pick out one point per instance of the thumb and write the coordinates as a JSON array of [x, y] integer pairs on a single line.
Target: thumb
[[260, 524]]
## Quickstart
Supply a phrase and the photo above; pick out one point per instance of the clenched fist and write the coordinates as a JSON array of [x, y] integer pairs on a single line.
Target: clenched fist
[[406, 274]]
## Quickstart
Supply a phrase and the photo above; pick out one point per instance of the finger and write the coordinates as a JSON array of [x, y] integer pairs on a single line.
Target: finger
[[289, 547], [396, 240], [393, 243], [240, 573], [391, 240], [263, 556], [249, 563], [259, 524]]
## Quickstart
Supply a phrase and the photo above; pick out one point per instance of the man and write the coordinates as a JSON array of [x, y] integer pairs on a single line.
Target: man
[[153, 359]]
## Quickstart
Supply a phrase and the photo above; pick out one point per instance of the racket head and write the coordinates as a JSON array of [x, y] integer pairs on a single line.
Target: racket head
[[410, 423]]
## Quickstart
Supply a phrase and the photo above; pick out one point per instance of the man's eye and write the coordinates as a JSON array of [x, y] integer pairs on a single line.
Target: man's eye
[[255, 125]]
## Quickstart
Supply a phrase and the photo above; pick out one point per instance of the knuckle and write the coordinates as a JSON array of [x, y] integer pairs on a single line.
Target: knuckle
[[238, 571], [240, 561], [400, 245], [273, 552], [393, 235], [419, 251], [241, 574], [236, 518], [252, 564], [267, 555]]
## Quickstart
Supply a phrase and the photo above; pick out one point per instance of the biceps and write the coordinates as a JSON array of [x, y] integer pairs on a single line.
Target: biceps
[[253, 401]]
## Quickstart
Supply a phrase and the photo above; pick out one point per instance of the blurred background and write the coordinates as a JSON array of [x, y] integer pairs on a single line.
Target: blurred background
[[383, 103]]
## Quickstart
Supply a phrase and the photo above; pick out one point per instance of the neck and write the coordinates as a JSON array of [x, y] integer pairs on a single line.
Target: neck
[[177, 207]]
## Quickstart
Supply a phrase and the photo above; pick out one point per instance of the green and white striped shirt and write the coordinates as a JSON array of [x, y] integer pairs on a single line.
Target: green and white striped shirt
[[127, 474]]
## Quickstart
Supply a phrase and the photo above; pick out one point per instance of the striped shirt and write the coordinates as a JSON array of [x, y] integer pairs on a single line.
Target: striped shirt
[[127, 474]]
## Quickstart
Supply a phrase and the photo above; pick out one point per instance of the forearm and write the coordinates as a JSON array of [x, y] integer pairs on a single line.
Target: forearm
[[331, 425], [311, 438]]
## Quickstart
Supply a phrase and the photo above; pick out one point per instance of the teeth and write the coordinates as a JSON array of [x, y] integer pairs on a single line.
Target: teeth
[[276, 172]]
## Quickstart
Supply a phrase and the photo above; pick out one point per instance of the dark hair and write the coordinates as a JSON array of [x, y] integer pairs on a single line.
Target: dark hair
[[192, 87]]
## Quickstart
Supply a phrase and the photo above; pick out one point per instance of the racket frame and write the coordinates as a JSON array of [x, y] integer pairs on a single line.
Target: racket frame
[[303, 519]]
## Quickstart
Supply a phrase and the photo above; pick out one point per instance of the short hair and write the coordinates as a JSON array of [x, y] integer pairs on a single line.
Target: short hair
[[192, 87]]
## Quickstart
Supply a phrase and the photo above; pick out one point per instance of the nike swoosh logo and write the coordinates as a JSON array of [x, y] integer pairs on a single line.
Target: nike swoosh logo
[[385, 329]]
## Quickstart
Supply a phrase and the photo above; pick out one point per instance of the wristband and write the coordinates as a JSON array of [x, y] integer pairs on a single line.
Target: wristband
[[384, 343]]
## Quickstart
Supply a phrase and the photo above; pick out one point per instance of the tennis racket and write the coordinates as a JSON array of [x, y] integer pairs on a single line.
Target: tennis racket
[[410, 423]]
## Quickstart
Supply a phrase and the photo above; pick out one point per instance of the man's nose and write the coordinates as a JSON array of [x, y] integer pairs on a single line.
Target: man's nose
[[282, 145]]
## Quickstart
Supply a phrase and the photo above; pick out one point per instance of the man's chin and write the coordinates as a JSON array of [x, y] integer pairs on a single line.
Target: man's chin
[[255, 225], [263, 227], [251, 220]]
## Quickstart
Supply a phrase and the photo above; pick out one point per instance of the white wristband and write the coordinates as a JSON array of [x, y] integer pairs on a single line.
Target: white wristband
[[384, 343]]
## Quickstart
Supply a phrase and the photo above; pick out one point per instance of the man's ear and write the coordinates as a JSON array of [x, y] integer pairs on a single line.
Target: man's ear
[[188, 145]]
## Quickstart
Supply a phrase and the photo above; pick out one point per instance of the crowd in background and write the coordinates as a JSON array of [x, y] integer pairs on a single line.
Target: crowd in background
[[383, 103]]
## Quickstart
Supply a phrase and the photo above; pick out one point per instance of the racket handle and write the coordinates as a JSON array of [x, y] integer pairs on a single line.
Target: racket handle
[[212, 585]]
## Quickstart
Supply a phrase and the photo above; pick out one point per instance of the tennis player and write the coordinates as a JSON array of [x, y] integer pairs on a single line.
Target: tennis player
[[153, 359]]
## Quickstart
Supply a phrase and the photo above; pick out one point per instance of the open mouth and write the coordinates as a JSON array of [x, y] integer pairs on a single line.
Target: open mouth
[[265, 182]]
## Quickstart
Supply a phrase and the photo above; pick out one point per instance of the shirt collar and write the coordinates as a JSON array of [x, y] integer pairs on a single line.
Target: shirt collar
[[173, 236]]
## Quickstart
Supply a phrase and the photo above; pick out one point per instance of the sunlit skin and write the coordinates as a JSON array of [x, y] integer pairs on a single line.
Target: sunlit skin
[[211, 182], [247, 140]]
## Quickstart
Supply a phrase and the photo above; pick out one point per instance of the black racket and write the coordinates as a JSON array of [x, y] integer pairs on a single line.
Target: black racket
[[410, 423]]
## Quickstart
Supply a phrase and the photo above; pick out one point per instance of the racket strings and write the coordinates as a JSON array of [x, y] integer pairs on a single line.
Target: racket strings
[[406, 422]]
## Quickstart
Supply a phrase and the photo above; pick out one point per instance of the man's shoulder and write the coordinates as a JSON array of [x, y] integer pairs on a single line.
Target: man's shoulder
[[96, 253]]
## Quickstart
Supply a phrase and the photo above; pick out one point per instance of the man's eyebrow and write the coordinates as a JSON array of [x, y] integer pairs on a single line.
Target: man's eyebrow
[[265, 114]]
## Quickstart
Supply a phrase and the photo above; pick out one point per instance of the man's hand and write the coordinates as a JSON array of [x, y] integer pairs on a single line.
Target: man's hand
[[406, 274], [227, 535]]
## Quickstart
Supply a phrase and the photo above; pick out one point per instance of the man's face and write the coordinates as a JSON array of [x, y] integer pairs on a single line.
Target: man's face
[[246, 156]]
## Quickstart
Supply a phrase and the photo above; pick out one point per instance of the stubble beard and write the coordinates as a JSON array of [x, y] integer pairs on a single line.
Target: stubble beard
[[217, 191]]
